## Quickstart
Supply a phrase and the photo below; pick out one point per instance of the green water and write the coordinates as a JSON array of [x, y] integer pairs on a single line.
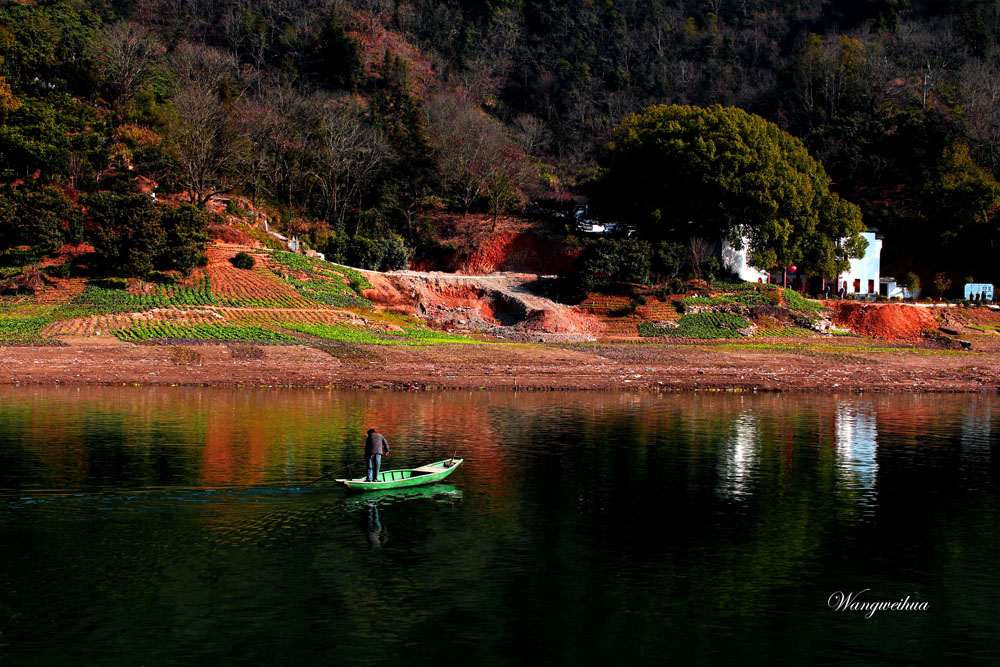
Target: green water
[[173, 526]]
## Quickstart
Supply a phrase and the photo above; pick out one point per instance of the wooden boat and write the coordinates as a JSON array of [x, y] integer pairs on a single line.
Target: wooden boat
[[398, 479]]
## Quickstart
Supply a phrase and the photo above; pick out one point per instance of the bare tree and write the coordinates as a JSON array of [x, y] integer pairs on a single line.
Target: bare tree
[[981, 84], [207, 142], [204, 64], [699, 250], [478, 157], [346, 155], [531, 133], [126, 54]]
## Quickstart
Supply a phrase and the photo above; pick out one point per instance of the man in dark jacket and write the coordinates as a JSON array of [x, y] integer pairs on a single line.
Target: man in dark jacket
[[375, 446]]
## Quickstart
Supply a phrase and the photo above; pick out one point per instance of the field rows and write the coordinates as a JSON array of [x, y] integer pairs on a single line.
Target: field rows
[[328, 283], [277, 315], [95, 325], [254, 287], [658, 311], [169, 331], [600, 303], [66, 290], [621, 328]]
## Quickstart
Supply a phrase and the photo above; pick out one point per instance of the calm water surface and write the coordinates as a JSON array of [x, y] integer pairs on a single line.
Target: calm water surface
[[173, 526]]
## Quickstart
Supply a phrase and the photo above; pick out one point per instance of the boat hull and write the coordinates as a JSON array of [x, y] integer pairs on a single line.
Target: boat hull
[[405, 477]]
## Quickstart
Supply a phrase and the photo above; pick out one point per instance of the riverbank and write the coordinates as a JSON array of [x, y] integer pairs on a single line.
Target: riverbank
[[813, 364]]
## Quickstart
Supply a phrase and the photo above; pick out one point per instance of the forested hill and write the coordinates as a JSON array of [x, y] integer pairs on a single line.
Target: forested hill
[[352, 119]]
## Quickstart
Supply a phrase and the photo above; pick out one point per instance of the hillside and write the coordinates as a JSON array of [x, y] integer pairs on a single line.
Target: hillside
[[287, 297], [361, 127]]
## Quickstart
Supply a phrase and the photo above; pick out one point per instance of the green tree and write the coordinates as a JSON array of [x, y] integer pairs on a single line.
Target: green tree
[[604, 261], [334, 58], [126, 233], [942, 283], [674, 172], [41, 219], [397, 114], [961, 198], [184, 237]]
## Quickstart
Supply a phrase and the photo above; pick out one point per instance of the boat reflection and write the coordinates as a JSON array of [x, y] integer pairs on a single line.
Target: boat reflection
[[372, 524], [444, 492]]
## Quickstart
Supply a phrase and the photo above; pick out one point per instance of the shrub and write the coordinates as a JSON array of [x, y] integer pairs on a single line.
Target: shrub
[[58, 270], [243, 260], [161, 278], [383, 254], [246, 352], [36, 218], [184, 356]]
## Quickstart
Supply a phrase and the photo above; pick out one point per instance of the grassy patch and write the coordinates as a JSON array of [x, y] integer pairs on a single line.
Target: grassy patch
[[184, 356], [22, 324], [750, 297], [432, 336], [336, 332], [325, 282], [348, 334], [789, 331], [699, 325], [796, 301], [105, 296], [227, 332]]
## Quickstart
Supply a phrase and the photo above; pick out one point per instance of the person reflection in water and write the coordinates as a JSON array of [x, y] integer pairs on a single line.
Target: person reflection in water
[[376, 534], [375, 447]]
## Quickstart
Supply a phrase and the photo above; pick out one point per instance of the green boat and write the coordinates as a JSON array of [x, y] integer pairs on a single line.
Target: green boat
[[398, 479]]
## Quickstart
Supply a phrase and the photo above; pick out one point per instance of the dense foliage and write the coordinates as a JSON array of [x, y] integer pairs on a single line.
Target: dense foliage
[[354, 117], [720, 173]]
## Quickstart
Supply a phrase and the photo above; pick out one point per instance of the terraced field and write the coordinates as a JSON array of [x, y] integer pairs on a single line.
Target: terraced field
[[260, 287]]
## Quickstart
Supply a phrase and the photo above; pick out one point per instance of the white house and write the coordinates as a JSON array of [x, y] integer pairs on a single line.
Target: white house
[[863, 275], [892, 289], [861, 278], [735, 259]]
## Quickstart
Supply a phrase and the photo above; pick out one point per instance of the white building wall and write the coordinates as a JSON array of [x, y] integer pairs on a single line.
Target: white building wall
[[864, 271], [736, 261]]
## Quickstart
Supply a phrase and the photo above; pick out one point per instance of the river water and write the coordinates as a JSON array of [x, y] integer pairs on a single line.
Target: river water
[[174, 526]]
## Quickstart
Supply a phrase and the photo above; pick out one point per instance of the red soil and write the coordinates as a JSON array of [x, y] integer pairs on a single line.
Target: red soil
[[519, 251], [889, 322], [472, 245]]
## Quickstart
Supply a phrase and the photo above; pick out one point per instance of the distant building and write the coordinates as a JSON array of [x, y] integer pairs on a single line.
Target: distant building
[[975, 291], [735, 259], [890, 288], [863, 275], [861, 278]]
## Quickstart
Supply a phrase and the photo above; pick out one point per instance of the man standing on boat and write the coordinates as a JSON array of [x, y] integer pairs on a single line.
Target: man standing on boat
[[375, 446]]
